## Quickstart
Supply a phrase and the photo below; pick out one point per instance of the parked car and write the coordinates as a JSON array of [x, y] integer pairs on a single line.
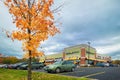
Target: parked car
[[111, 65], [106, 64], [9, 66], [115, 65], [34, 65], [3, 65], [100, 65], [17, 65], [60, 66]]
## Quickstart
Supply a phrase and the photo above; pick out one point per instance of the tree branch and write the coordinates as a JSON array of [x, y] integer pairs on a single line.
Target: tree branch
[[57, 9]]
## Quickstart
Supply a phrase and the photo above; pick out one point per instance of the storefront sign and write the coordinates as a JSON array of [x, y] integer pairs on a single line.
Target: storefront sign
[[72, 52]]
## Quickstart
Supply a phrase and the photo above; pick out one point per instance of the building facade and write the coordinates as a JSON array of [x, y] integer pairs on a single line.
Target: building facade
[[83, 53]]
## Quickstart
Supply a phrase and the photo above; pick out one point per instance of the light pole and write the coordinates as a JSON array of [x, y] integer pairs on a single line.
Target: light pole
[[88, 51]]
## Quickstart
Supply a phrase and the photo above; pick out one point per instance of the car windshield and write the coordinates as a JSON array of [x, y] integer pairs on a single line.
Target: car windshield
[[57, 63]]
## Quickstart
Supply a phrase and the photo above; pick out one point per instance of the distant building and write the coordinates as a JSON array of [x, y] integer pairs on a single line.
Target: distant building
[[103, 57], [83, 53]]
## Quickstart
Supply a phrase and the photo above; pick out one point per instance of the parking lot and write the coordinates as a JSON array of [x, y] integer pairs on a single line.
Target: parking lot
[[99, 73], [106, 73]]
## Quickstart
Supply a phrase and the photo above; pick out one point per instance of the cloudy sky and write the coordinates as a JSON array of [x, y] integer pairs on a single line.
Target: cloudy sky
[[95, 21]]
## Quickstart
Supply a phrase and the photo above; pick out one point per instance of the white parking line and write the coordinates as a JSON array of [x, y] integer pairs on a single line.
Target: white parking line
[[94, 74], [70, 72]]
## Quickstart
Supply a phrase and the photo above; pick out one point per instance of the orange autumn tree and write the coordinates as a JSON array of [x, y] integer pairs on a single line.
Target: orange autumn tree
[[34, 55], [35, 22]]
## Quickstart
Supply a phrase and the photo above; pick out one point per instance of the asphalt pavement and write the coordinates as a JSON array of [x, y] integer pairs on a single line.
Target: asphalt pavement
[[98, 73]]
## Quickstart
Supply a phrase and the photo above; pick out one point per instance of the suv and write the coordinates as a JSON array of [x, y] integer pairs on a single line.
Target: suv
[[60, 66], [34, 65]]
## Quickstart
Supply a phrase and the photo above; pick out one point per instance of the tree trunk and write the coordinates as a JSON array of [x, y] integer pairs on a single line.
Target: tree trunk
[[30, 53], [29, 67], [29, 60]]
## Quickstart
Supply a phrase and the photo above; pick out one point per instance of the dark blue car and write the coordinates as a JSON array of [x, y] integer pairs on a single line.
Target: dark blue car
[[100, 65]]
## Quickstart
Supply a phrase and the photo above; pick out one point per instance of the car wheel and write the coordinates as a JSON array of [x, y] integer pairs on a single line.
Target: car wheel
[[27, 68], [73, 69], [57, 70], [40, 67], [49, 71]]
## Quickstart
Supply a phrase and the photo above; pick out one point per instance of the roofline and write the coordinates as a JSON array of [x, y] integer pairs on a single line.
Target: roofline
[[79, 45]]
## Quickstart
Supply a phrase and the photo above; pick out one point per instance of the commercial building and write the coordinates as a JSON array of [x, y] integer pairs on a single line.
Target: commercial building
[[83, 53]]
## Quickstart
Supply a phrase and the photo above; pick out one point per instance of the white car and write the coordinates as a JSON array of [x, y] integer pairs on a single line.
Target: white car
[[3, 65], [107, 64]]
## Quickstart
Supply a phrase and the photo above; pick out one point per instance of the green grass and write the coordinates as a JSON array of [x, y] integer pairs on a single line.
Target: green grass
[[7, 74]]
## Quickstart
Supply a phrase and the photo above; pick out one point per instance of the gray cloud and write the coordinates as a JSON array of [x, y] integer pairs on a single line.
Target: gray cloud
[[97, 21]]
